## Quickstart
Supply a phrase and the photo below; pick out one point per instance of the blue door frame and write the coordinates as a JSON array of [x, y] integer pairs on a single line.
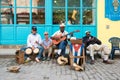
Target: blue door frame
[[12, 34]]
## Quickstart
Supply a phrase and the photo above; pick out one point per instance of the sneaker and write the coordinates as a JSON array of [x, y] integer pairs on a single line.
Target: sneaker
[[56, 56], [48, 59], [107, 62], [92, 62], [44, 58], [37, 60], [28, 60]]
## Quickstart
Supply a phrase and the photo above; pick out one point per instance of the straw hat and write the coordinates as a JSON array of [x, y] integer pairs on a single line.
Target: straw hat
[[62, 25], [13, 69], [62, 60], [77, 67]]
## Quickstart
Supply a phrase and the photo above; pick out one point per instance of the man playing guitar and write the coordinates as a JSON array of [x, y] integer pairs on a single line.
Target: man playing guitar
[[59, 38]]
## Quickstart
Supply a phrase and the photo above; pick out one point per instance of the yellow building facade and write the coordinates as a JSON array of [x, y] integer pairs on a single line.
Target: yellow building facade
[[106, 28]]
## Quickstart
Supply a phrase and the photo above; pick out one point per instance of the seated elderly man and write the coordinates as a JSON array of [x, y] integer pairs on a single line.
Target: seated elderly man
[[92, 44]]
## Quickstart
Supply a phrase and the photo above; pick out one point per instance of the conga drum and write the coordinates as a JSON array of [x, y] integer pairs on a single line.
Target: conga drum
[[36, 51], [28, 51]]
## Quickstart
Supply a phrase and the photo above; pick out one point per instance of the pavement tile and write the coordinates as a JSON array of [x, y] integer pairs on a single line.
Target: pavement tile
[[48, 70]]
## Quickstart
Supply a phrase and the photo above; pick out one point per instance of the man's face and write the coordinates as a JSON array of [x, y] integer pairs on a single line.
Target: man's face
[[87, 34], [34, 32], [46, 35], [62, 29]]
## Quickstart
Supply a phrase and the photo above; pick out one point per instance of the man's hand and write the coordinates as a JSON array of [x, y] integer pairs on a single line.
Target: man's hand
[[91, 38], [36, 42], [33, 47]]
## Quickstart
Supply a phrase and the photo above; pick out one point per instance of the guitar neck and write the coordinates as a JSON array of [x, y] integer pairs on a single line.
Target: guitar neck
[[73, 32]]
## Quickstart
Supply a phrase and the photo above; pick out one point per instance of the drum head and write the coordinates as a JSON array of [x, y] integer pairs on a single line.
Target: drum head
[[28, 51], [35, 51]]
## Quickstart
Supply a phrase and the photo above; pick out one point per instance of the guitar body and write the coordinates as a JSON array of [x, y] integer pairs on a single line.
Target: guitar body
[[58, 38]]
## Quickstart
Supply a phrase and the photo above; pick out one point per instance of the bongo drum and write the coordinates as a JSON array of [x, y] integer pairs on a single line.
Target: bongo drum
[[35, 51], [28, 51]]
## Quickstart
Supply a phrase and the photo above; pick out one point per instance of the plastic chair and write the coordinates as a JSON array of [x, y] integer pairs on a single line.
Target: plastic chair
[[77, 56], [115, 45]]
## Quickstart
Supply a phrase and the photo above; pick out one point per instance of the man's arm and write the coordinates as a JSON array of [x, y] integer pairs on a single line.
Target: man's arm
[[29, 42], [97, 41], [39, 42]]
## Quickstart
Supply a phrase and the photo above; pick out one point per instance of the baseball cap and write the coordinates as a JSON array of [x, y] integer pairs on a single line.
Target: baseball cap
[[34, 28]]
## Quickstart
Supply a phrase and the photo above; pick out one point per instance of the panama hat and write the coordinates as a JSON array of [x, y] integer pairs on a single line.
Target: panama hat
[[62, 25]]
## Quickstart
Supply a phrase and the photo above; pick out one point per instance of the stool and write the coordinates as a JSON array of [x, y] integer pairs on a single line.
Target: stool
[[19, 56]]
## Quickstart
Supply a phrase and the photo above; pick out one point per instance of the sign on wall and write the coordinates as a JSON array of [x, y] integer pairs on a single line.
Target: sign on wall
[[112, 9]]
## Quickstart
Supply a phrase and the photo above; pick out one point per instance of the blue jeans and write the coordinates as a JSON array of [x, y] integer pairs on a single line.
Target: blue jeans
[[38, 55], [62, 45]]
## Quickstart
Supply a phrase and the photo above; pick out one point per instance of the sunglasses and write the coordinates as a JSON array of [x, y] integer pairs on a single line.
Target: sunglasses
[[46, 34]]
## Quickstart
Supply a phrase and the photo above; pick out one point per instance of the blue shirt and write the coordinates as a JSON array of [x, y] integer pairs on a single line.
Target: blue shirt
[[47, 43]]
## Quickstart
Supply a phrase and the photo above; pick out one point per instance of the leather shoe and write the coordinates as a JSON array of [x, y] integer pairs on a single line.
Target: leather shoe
[[92, 62], [107, 62]]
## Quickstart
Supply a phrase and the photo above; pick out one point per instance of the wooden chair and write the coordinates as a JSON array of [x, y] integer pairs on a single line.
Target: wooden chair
[[77, 55]]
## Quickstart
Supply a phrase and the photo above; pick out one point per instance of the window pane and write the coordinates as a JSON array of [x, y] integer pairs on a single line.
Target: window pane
[[59, 3], [88, 16], [39, 17], [73, 16], [7, 16], [24, 3], [88, 3], [23, 15], [6, 2], [36, 3], [23, 10], [75, 3], [58, 16]]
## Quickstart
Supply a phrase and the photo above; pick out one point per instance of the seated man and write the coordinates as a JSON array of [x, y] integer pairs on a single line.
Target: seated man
[[59, 39], [47, 43], [34, 41], [92, 44]]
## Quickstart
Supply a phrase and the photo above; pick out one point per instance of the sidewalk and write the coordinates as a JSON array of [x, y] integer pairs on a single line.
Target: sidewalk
[[8, 50], [50, 70]]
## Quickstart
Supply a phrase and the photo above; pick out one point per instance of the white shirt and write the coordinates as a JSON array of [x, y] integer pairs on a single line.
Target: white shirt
[[32, 39], [59, 32]]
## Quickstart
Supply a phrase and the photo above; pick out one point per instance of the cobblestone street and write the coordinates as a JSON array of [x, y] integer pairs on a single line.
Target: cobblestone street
[[49, 70]]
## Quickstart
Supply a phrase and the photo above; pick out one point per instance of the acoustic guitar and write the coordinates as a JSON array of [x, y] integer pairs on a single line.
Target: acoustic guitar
[[58, 38]]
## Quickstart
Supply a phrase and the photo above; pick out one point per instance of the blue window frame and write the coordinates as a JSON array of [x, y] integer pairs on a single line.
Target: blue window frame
[[78, 12], [18, 16]]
